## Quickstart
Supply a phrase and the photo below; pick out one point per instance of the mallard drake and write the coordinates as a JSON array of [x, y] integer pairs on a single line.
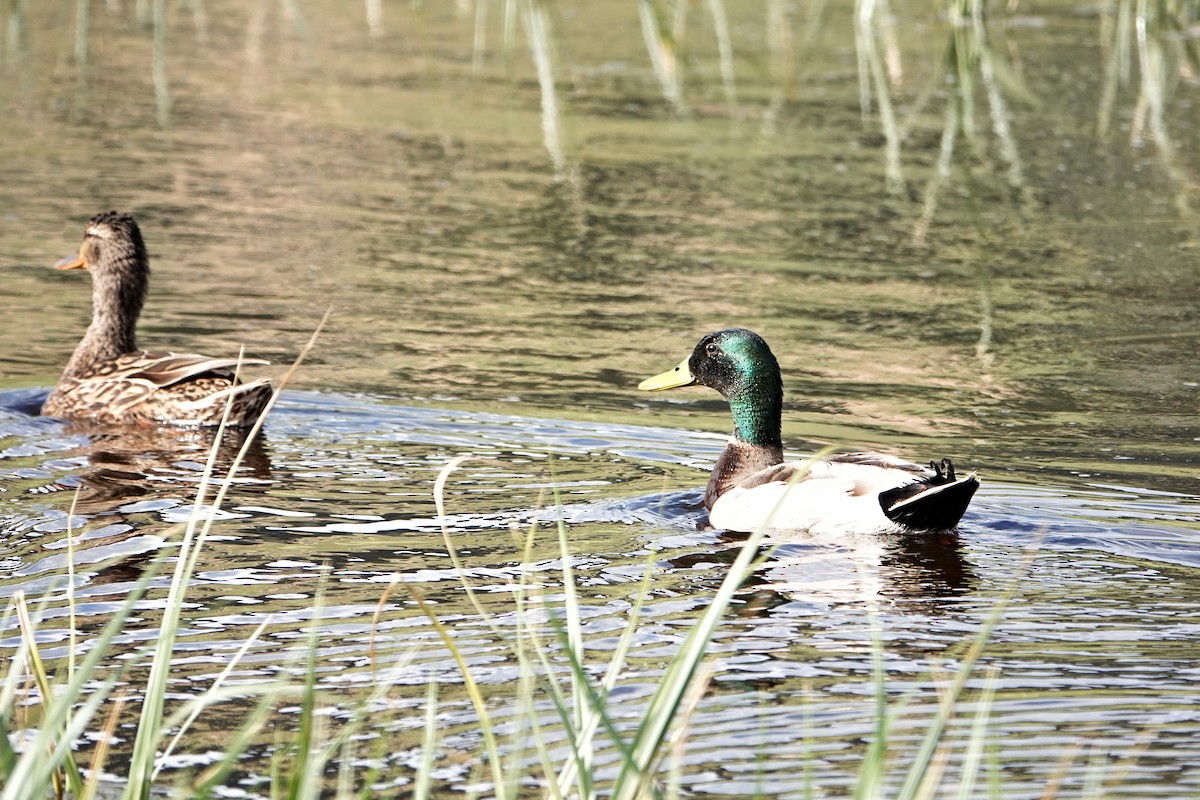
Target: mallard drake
[[751, 484], [108, 380]]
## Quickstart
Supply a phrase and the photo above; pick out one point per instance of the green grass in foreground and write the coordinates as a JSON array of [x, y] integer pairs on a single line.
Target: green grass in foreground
[[48, 708]]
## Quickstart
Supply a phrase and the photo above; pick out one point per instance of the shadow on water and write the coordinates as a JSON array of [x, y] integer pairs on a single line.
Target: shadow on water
[[127, 464], [913, 567], [103, 481]]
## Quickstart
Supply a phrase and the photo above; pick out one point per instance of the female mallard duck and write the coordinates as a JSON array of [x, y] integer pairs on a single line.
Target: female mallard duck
[[751, 485], [108, 380]]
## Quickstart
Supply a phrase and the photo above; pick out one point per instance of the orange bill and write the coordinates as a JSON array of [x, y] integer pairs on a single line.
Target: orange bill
[[71, 262]]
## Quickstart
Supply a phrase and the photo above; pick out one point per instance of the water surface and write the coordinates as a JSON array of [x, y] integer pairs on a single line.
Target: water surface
[[501, 280]]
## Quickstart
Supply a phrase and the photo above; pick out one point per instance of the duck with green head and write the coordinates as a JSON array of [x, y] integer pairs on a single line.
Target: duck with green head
[[752, 486]]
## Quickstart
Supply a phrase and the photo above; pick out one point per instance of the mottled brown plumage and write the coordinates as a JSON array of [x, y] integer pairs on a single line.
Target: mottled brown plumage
[[108, 380]]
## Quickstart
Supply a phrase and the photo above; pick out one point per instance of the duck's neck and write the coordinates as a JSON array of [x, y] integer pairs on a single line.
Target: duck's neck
[[757, 413], [756, 444], [117, 297]]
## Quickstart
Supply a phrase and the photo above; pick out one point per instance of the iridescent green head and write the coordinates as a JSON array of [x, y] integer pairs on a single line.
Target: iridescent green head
[[738, 364]]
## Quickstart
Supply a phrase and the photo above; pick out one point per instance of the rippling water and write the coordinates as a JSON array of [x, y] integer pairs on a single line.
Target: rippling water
[[496, 298], [1096, 646]]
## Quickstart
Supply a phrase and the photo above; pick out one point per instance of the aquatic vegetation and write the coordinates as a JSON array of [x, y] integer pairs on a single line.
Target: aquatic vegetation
[[48, 709], [1168, 51], [980, 67], [406, 175]]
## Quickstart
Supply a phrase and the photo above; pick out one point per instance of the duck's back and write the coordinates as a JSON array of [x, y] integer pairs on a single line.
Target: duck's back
[[828, 497], [861, 493], [160, 389]]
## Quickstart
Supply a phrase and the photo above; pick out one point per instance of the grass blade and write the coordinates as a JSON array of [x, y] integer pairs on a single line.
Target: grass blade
[[477, 701], [424, 779], [665, 702]]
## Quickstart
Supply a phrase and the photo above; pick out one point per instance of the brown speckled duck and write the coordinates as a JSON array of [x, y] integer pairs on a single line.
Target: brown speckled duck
[[108, 380]]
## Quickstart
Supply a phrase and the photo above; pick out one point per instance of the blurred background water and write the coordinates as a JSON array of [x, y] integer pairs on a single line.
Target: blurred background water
[[965, 230]]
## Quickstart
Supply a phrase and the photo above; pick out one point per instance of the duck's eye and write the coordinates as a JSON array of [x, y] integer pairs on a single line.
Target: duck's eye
[[711, 348]]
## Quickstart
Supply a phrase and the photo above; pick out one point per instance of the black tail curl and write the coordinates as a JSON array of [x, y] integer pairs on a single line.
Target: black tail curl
[[935, 503]]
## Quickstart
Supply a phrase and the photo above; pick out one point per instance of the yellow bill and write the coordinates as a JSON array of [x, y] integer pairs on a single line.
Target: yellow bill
[[672, 378]]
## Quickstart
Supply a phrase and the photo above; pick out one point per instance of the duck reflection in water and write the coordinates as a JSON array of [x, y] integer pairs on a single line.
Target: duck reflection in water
[[128, 463], [128, 472], [893, 568]]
